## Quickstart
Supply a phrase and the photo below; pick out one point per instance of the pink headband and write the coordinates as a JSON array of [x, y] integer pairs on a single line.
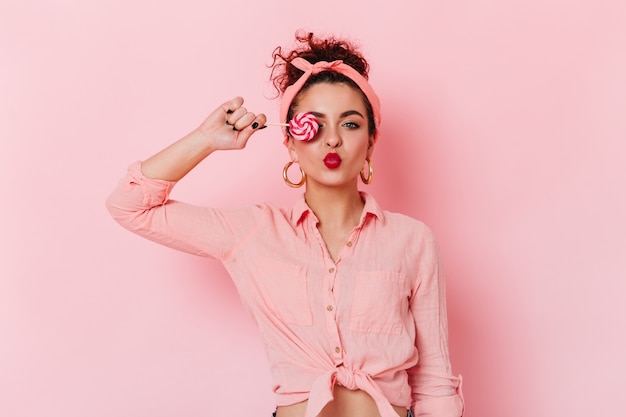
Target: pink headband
[[335, 66]]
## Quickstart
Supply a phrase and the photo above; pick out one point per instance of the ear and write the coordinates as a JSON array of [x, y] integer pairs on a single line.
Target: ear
[[292, 149], [370, 148]]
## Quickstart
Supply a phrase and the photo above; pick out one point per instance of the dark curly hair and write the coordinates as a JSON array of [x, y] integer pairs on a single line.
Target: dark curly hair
[[315, 49]]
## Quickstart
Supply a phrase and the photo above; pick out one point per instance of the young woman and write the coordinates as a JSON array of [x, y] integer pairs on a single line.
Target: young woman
[[349, 298]]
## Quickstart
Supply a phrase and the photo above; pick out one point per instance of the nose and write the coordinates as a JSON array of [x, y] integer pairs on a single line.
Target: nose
[[332, 139]]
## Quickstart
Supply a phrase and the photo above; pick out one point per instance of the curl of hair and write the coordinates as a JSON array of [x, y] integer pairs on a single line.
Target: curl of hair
[[315, 49]]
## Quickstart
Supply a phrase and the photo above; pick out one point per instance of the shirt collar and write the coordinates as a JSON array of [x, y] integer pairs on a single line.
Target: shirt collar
[[301, 209]]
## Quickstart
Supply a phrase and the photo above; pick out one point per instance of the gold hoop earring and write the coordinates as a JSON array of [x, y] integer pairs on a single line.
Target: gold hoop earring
[[371, 173], [286, 176]]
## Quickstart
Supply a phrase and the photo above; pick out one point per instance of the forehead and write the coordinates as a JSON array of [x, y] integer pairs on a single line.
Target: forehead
[[327, 97]]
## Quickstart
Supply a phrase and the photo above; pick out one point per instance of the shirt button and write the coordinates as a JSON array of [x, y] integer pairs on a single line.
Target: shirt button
[[329, 308], [337, 349], [331, 270], [349, 244]]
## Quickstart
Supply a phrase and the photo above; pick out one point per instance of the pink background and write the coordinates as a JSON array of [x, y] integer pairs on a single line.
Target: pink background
[[504, 130]]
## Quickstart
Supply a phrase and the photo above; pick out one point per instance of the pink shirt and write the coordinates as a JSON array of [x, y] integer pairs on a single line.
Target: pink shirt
[[373, 320]]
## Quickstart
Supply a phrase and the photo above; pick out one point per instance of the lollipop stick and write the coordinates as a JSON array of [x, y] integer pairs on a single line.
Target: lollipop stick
[[276, 124]]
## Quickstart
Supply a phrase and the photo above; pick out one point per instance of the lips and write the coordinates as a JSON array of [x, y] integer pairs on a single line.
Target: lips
[[332, 161]]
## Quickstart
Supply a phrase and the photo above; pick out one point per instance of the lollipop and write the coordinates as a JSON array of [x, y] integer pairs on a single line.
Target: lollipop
[[302, 127]]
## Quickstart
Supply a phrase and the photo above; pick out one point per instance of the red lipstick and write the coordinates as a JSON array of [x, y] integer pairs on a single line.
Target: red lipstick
[[332, 160]]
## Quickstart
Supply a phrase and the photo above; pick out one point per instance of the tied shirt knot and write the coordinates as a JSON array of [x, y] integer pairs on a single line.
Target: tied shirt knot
[[353, 379]]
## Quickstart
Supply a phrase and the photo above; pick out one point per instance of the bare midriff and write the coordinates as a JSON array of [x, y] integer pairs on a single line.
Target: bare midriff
[[345, 403]]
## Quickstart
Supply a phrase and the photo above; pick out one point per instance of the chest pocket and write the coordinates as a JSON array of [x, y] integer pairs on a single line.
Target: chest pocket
[[380, 302], [283, 288]]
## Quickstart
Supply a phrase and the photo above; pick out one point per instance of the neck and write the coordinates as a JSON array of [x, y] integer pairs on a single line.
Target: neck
[[339, 207]]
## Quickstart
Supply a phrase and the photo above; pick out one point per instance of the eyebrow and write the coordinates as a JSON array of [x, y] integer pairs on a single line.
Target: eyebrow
[[342, 115]]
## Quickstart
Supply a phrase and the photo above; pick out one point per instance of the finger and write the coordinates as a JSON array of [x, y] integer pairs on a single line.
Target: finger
[[240, 120], [231, 105], [261, 119], [233, 117], [256, 124]]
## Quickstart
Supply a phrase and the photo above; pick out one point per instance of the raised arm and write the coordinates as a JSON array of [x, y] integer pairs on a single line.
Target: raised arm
[[141, 203], [227, 127]]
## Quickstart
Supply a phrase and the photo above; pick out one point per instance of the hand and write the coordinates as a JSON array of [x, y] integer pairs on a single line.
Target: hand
[[231, 125]]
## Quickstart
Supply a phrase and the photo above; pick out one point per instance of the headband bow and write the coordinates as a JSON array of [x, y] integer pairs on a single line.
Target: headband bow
[[335, 66]]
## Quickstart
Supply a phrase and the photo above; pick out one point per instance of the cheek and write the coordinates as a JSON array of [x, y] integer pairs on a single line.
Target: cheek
[[301, 151], [367, 145]]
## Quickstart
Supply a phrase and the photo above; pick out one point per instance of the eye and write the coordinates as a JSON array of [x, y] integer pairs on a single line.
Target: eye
[[351, 125]]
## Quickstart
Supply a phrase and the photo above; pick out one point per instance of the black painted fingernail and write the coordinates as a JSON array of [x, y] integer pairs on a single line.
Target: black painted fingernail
[[262, 127], [229, 111], [235, 129], [255, 125]]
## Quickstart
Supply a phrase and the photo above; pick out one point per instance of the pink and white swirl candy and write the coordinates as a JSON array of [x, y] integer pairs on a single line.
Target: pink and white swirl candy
[[303, 126]]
